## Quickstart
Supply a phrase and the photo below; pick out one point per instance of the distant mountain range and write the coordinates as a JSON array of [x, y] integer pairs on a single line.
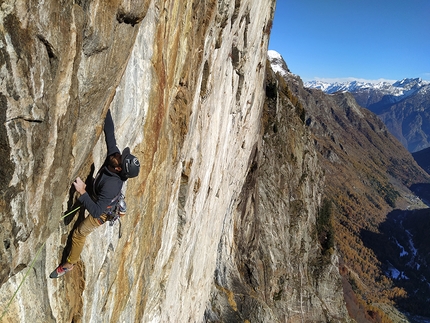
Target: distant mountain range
[[397, 90], [404, 106]]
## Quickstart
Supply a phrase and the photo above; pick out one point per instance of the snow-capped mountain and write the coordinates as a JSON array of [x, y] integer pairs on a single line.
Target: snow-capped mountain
[[277, 62], [398, 90]]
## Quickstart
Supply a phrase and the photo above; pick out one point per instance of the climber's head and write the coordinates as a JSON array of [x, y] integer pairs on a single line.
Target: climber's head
[[125, 164], [114, 161], [130, 165]]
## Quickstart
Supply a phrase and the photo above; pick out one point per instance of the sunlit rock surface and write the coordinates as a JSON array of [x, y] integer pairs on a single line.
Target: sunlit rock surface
[[270, 267], [208, 235]]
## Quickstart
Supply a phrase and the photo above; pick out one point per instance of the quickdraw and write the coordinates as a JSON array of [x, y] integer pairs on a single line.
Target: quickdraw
[[116, 211]]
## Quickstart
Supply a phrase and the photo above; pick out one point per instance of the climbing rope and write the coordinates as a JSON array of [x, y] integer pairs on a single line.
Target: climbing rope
[[31, 266], [65, 215]]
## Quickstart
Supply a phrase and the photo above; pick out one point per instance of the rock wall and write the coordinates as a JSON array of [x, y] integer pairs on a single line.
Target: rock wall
[[185, 83], [270, 266]]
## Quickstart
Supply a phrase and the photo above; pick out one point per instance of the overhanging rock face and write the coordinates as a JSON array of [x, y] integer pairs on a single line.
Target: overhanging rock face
[[185, 83]]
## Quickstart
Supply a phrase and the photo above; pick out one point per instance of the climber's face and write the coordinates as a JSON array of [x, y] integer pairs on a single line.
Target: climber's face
[[115, 161]]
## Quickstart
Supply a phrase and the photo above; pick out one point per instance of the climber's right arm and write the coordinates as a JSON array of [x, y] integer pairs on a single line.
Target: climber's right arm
[[109, 131]]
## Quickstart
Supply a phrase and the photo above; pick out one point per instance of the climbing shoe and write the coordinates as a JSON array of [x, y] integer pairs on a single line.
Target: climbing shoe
[[60, 271]]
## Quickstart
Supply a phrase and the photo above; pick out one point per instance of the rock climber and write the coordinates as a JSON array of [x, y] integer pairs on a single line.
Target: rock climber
[[107, 185]]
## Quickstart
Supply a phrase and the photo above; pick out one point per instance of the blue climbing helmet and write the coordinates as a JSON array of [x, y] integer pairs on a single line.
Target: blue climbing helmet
[[130, 164]]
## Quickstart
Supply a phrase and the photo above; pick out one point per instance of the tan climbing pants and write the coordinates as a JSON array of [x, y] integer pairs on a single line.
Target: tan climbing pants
[[80, 234]]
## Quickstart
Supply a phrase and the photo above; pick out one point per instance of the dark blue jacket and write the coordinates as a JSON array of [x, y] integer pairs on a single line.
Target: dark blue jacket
[[107, 185]]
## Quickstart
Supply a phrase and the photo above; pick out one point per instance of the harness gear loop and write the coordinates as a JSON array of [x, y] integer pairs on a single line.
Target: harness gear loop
[[116, 211]]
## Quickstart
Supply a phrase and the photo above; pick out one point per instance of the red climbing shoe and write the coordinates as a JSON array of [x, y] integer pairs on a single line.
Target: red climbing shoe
[[60, 271]]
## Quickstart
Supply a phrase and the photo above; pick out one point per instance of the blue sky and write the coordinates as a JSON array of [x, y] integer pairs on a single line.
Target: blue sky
[[365, 40]]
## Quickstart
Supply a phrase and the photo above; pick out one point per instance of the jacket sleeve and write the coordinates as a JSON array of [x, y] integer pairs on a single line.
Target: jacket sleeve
[[104, 199], [109, 131]]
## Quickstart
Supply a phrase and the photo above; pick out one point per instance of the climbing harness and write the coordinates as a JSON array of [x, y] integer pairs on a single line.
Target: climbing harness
[[116, 211]]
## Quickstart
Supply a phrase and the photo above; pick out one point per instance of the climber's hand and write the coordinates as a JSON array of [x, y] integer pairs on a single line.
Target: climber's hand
[[79, 185]]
